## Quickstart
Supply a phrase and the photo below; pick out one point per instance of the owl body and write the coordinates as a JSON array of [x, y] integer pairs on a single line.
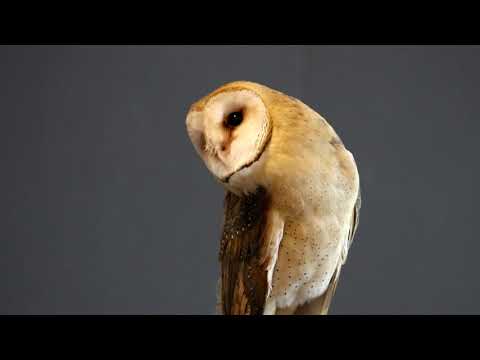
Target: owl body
[[295, 246]]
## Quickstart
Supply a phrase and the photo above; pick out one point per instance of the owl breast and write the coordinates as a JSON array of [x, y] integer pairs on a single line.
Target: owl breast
[[317, 208], [308, 255]]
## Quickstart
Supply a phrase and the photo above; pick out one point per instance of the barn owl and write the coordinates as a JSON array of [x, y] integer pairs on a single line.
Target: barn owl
[[292, 199]]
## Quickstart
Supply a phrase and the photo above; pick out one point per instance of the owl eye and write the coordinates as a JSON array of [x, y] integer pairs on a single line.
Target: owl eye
[[234, 119]]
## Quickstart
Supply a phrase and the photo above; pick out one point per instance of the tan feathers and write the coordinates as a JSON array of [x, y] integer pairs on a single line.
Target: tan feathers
[[291, 208]]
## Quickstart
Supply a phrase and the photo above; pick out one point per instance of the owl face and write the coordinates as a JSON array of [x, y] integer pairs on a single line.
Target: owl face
[[229, 130]]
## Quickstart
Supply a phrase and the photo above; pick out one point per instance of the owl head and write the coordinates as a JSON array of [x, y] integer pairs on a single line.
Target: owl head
[[230, 129], [248, 135]]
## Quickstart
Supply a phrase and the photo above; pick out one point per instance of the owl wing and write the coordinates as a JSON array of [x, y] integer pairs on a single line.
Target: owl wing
[[248, 251], [355, 220]]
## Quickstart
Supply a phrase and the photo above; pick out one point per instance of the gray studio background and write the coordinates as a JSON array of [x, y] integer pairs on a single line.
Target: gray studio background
[[106, 209]]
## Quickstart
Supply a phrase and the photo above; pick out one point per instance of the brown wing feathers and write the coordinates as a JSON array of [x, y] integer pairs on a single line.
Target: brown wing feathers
[[244, 274]]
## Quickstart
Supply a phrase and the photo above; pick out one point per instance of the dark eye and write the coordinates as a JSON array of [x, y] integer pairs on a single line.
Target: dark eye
[[234, 119]]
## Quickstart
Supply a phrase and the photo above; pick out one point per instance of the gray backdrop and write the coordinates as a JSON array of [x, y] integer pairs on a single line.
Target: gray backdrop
[[106, 209]]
